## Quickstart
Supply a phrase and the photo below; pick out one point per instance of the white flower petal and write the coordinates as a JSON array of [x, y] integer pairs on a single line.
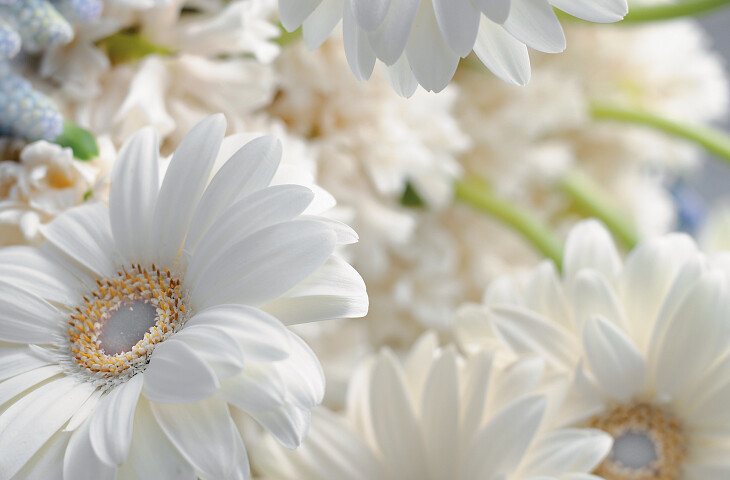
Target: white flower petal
[[440, 415], [110, 425], [205, 435], [600, 11], [30, 421], [369, 14], [545, 294], [20, 383], [25, 317], [262, 337], [393, 420], [321, 22], [534, 23], [221, 351], [293, 12], [458, 21], [432, 61], [336, 290], [32, 270], [264, 265], [422, 352], [133, 196], [701, 319], [526, 332], [501, 444], [704, 406], [80, 460], [496, 10], [288, 424], [614, 360], [17, 360], [184, 184], [589, 245], [592, 295], [176, 374], [152, 456], [84, 234], [84, 411], [248, 170], [390, 40], [501, 53], [302, 374], [48, 462], [258, 388], [567, 450], [648, 274], [518, 380], [259, 210], [478, 378], [360, 55], [400, 76]]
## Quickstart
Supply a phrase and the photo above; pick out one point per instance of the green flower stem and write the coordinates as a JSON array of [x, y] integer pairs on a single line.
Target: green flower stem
[[712, 139], [683, 8], [594, 202], [480, 197]]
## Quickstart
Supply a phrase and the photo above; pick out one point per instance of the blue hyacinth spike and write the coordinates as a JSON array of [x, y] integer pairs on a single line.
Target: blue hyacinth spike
[[79, 11], [24, 112], [39, 24], [9, 41]]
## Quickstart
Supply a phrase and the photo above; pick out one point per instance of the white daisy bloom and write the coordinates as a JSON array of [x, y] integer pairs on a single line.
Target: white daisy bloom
[[440, 416], [421, 41], [647, 343], [134, 335]]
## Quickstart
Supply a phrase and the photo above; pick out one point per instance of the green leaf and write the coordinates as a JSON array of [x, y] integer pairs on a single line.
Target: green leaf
[[80, 141], [411, 198], [127, 46]]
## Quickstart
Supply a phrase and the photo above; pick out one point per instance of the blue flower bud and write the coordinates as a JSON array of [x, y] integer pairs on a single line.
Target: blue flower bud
[[24, 112], [39, 24], [9, 41], [79, 11]]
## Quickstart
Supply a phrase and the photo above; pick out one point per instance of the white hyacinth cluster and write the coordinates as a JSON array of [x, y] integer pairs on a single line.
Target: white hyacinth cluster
[[224, 256]]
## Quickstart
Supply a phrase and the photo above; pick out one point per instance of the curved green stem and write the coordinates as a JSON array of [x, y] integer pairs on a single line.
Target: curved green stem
[[593, 201], [479, 196], [714, 140], [683, 8]]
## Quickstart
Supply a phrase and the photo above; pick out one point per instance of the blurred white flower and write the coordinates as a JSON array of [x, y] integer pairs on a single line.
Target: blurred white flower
[[149, 94], [646, 341], [77, 66], [422, 41], [210, 48], [138, 330], [370, 144], [714, 235], [437, 415], [45, 182]]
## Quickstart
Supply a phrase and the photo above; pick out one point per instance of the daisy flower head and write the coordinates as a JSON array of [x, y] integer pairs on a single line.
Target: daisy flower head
[[646, 342], [437, 415], [420, 42], [132, 338]]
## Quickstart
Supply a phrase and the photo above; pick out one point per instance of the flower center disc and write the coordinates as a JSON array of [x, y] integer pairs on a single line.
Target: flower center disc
[[115, 332], [127, 326], [649, 443]]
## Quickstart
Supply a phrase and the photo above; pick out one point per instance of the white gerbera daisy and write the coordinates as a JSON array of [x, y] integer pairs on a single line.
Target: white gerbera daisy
[[421, 41], [130, 339], [440, 416], [647, 342]]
